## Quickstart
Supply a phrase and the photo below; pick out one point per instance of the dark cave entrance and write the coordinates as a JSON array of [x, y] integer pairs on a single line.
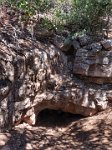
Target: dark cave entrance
[[56, 118]]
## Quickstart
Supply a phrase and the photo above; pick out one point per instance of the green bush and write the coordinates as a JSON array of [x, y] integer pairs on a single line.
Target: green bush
[[78, 15], [86, 15], [90, 14]]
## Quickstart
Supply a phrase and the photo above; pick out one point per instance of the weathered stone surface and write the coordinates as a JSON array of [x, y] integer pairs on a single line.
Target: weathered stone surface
[[36, 75], [85, 40], [93, 47], [38, 78], [107, 44], [96, 64]]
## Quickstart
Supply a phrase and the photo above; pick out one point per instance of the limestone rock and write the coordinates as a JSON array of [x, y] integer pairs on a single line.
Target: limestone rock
[[93, 64], [40, 78], [35, 76]]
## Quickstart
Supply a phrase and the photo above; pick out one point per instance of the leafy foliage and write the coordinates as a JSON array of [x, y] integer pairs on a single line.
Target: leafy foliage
[[90, 14], [86, 15], [78, 15]]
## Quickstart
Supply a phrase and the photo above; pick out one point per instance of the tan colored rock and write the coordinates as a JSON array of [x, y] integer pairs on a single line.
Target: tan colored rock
[[4, 139], [35, 76], [41, 79], [93, 64]]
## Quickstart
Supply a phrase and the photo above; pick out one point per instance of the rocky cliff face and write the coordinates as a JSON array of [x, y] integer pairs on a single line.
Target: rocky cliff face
[[95, 63], [37, 75]]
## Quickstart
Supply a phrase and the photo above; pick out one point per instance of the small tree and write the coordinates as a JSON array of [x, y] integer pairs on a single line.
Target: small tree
[[91, 15]]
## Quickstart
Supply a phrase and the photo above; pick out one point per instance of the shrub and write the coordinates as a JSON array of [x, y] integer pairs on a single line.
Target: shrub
[[77, 15]]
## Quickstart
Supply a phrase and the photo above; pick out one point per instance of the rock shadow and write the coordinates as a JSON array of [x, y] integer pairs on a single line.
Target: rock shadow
[[56, 118], [16, 141]]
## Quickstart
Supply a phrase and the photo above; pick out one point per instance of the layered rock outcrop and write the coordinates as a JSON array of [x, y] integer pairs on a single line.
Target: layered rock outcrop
[[36, 75], [95, 65]]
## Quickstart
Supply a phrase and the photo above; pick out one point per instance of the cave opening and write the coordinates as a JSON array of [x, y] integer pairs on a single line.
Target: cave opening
[[56, 118]]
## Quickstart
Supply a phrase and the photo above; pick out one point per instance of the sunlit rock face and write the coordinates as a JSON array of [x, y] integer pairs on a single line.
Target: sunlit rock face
[[94, 62], [95, 65], [37, 75]]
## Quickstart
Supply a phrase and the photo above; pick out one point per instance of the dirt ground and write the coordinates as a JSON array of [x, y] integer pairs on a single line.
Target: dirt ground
[[61, 131]]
